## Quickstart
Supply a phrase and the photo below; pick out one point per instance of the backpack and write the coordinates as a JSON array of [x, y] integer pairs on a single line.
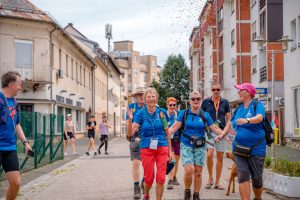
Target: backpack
[[4, 112], [269, 132]]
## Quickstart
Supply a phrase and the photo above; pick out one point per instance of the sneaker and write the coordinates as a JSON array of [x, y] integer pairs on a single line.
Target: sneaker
[[196, 196], [74, 153], [99, 152], [187, 194], [137, 192], [170, 185], [106, 153], [95, 153], [175, 181], [65, 154], [87, 153]]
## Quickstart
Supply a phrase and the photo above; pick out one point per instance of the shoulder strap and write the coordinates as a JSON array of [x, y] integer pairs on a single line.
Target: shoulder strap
[[184, 119]]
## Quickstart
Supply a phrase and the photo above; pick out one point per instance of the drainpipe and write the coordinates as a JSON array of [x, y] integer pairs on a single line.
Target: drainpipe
[[51, 67], [93, 89], [217, 41], [240, 44]]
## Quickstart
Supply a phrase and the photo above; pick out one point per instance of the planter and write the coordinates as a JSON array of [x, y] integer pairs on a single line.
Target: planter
[[268, 179], [286, 185]]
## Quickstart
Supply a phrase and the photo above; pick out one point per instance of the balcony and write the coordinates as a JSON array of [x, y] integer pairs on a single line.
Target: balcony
[[263, 74]]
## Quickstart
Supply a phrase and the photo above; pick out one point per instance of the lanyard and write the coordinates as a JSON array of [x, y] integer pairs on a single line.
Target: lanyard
[[151, 121], [217, 105]]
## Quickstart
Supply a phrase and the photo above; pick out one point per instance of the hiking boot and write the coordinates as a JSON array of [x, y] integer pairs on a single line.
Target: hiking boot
[[187, 194], [142, 186], [95, 153], [87, 153], [175, 181], [170, 185], [99, 152], [196, 196], [137, 192]]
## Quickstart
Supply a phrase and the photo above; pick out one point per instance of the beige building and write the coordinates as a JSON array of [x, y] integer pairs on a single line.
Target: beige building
[[60, 73], [138, 70], [106, 80]]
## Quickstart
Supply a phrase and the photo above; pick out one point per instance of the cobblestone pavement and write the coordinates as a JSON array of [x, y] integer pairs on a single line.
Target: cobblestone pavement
[[108, 177]]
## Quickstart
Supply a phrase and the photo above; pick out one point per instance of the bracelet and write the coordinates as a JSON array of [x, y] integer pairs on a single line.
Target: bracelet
[[24, 142]]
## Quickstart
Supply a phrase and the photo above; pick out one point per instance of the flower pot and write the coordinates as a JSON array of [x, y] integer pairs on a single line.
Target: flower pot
[[286, 185], [268, 179]]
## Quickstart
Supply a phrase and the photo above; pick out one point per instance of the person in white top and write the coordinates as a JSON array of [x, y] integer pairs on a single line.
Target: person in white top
[[69, 134]]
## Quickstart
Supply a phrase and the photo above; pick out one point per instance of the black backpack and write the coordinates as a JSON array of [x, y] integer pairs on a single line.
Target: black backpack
[[269, 136]]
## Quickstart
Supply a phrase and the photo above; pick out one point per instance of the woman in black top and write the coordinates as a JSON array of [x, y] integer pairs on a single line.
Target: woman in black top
[[90, 127]]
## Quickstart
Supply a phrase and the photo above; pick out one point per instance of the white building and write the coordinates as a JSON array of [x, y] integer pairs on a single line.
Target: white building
[[291, 28]]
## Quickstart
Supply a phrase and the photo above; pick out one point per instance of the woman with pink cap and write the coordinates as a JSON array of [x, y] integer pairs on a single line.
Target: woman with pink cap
[[249, 145]]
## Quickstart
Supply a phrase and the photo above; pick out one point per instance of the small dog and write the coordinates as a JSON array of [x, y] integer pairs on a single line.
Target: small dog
[[233, 173]]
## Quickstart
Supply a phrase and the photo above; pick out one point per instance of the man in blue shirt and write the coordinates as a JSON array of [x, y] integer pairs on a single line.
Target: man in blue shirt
[[219, 110], [138, 95], [9, 125]]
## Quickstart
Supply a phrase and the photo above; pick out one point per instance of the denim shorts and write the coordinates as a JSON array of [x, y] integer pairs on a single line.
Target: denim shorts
[[191, 155], [219, 146]]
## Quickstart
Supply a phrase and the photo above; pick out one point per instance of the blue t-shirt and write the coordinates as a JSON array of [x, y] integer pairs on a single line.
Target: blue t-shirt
[[8, 117], [151, 127], [249, 134], [194, 125], [172, 119]]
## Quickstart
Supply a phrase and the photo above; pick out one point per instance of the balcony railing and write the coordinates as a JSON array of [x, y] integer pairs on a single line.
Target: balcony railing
[[263, 74], [41, 74]]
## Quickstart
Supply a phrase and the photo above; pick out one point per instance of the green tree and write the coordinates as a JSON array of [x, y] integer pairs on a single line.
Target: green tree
[[175, 78], [161, 92]]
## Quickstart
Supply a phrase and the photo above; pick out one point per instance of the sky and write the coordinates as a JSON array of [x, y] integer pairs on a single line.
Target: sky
[[157, 27]]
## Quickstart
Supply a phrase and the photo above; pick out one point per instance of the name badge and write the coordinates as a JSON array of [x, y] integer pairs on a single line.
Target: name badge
[[153, 144]]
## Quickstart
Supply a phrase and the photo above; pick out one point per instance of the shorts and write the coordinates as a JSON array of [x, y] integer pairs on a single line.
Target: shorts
[[176, 148], [134, 149], [191, 155], [219, 146], [70, 135], [103, 138], [91, 135], [9, 161], [247, 167]]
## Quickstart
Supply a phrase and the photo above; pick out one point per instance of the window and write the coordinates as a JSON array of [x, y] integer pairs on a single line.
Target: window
[[293, 34], [80, 76], [77, 72], [232, 6], [23, 53], [72, 69], [254, 64], [90, 81], [253, 30], [153, 63], [59, 56], [145, 77], [67, 65], [298, 31], [78, 120], [135, 72], [84, 77], [296, 110], [220, 14], [262, 24], [232, 37]]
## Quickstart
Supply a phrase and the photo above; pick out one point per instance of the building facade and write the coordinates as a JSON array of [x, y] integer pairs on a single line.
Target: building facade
[[291, 27]]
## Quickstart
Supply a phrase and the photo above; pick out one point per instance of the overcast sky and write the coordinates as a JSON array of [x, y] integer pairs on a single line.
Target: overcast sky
[[157, 27]]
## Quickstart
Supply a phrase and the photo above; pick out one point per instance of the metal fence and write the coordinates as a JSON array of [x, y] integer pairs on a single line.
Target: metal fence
[[45, 134]]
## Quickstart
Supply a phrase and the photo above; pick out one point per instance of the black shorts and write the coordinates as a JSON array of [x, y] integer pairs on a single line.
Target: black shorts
[[91, 135], [9, 161], [103, 138], [70, 135]]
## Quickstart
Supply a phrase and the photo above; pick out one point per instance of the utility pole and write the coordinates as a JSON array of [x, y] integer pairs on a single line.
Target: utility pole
[[108, 35]]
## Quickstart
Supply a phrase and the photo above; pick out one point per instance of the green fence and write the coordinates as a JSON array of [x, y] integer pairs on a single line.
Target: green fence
[[45, 134]]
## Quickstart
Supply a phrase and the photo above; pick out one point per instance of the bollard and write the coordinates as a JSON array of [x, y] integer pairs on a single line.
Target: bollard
[[276, 135]]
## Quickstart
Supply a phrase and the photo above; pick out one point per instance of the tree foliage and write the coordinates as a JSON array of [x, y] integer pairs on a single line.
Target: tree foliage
[[174, 80]]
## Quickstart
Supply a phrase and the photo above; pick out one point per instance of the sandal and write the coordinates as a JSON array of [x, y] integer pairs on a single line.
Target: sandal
[[218, 187], [209, 185]]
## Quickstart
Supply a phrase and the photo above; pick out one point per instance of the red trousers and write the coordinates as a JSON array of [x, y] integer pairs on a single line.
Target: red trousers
[[151, 157]]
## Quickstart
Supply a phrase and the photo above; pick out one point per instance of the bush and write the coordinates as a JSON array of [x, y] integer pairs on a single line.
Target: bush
[[287, 168], [268, 162]]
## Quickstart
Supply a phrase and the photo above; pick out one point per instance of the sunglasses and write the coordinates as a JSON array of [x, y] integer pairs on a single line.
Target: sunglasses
[[103, 117], [172, 105], [197, 98], [215, 90]]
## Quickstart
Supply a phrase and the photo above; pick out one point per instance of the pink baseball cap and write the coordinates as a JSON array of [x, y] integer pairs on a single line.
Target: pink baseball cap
[[247, 86]]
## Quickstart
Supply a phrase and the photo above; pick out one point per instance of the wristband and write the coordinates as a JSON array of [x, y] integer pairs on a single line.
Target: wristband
[[24, 142]]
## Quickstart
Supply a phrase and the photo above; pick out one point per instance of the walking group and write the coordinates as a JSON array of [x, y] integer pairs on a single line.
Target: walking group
[[159, 138]]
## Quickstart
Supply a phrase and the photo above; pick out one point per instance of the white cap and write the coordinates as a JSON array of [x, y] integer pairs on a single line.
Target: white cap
[[69, 115]]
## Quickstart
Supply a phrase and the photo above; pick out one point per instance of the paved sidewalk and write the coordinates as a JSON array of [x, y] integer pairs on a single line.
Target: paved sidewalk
[[107, 177]]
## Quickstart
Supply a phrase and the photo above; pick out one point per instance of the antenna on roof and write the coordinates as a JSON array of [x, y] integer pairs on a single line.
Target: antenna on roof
[[108, 35]]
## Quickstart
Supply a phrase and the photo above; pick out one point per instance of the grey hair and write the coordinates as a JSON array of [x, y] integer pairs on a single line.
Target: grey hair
[[151, 90], [195, 93]]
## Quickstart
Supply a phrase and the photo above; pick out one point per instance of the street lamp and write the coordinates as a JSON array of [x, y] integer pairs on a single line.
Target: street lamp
[[285, 43]]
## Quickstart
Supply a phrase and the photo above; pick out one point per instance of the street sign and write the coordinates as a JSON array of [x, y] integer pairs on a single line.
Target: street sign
[[261, 90]]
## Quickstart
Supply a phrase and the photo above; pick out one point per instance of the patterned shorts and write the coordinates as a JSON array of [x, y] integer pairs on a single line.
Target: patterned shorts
[[190, 155]]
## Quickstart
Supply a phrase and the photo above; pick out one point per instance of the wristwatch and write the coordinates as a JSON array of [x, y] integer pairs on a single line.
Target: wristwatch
[[24, 142], [248, 119]]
